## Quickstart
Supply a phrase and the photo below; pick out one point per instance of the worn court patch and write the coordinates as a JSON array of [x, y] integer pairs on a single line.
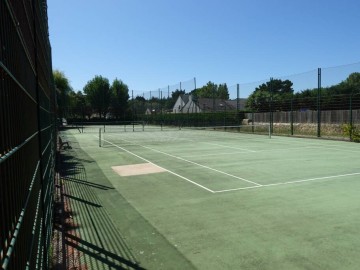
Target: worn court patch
[[137, 169]]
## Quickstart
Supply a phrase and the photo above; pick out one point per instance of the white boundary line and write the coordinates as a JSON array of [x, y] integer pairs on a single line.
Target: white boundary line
[[235, 148], [215, 144], [216, 154], [144, 159], [256, 185], [289, 183], [195, 163]]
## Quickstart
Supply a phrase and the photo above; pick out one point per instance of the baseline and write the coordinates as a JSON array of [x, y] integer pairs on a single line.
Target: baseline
[[289, 182], [215, 144]]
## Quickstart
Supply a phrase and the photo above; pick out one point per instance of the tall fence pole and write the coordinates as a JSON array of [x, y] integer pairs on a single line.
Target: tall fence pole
[[292, 115], [132, 97], [161, 111], [150, 103], [351, 118], [159, 101], [237, 102], [271, 105], [319, 104]]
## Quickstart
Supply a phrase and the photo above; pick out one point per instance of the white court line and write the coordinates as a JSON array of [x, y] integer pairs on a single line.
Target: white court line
[[235, 148], [315, 143], [215, 144], [146, 160], [215, 154], [197, 164], [256, 185], [289, 183]]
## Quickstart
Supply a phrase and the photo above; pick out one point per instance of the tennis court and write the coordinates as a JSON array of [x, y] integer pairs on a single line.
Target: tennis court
[[211, 198]]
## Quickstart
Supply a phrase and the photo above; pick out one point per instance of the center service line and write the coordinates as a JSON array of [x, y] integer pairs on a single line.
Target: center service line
[[178, 175], [197, 164]]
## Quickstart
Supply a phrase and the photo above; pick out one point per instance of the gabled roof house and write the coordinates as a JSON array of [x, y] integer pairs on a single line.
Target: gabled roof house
[[187, 104]]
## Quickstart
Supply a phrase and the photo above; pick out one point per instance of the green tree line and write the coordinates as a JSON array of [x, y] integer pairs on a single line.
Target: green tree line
[[278, 95], [102, 100], [99, 98]]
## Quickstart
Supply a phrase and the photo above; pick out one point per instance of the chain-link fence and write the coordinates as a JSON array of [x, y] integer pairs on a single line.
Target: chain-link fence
[[324, 103], [321, 102]]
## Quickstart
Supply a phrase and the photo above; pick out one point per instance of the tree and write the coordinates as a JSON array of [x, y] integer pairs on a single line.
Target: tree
[[267, 93], [333, 97], [223, 92], [98, 94], [120, 97], [212, 90], [207, 91], [63, 91], [138, 105], [353, 81], [80, 107], [176, 94]]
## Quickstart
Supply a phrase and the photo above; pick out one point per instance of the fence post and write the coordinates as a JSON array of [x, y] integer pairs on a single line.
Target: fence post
[[351, 118], [271, 109], [253, 119], [237, 103], [132, 98], [319, 104], [292, 115]]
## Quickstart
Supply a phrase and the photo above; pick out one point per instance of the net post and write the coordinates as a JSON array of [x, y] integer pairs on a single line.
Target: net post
[[99, 137]]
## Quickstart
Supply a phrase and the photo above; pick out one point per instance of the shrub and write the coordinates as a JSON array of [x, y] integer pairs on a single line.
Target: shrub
[[352, 132]]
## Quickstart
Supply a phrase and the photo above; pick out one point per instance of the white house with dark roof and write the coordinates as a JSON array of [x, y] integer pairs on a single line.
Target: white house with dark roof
[[187, 104], [180, 103]]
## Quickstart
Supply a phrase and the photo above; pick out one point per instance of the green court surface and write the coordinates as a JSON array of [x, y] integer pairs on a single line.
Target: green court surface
[[223, 200]]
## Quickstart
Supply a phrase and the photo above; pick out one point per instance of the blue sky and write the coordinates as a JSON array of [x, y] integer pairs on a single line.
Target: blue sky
[[152, 44]]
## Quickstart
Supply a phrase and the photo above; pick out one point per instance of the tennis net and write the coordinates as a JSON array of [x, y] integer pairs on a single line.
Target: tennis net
[[153, 134]]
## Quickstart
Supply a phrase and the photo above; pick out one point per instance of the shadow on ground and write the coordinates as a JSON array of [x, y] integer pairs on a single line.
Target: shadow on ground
[[84, 235]]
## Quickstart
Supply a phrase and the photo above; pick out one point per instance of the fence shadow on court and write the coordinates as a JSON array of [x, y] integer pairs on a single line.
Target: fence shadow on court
[[89, 238]]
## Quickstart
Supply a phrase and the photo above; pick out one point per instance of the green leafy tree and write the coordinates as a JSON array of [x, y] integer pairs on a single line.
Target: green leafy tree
[[176, 94], [334, 97], [272, 93], [212, 90], [223, 92], [63, 92], [120, 98], [353, 81], [80, 107], [138, 105], [98, 94], [207, 91]]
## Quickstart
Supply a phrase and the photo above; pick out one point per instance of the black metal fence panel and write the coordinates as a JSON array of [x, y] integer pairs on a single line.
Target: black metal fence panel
[[27, 135]]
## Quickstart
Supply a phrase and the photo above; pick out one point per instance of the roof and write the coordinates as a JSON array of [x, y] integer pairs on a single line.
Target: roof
[[185, 98], [209, 104]]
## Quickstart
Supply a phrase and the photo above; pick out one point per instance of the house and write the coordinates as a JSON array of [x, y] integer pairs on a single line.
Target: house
[[152, 111], [188, 104], [180, 103]]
